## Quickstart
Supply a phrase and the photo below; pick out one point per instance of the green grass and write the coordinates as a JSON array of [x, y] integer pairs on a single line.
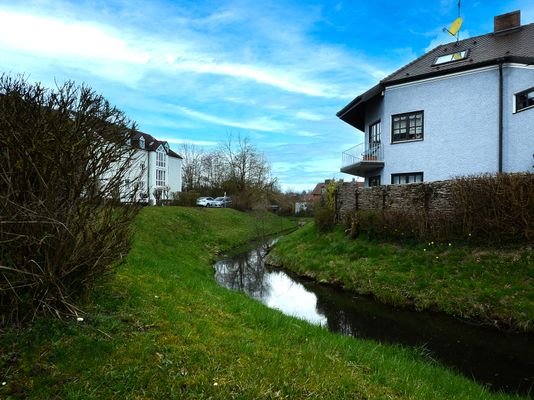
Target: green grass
[[492, 286], [163, 329]]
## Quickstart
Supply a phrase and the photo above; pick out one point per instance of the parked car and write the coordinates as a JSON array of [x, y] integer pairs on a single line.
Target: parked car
[[204, 201], [221, 202]]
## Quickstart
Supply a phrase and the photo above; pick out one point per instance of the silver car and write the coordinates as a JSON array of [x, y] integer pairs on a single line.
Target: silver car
[[221, 202]]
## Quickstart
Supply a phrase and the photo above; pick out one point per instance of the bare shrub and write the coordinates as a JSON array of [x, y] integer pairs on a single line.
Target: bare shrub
[[65, 162], [496, 208]]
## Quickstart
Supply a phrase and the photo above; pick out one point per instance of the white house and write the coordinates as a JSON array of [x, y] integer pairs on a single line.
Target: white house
[[157, 170], [463, 108]]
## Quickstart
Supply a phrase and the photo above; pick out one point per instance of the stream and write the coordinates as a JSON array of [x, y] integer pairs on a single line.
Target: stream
[[499, 360]]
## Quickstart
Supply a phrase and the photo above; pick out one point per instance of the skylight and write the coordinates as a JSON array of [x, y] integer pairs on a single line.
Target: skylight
[[447, 58]]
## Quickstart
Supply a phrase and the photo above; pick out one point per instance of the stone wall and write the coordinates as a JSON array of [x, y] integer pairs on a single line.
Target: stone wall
[[428, 196]]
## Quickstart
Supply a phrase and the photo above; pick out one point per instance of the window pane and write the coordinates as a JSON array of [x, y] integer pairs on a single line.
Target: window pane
[[407, 127], [399, 179], [451, 57], [524, 100]]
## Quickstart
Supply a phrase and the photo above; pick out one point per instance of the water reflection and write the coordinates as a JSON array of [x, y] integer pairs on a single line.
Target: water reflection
[[246, 272], [503, 361]]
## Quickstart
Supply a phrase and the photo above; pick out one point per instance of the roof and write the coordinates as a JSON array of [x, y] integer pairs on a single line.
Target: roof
[[318, 190], [151, 143], [513, 45]]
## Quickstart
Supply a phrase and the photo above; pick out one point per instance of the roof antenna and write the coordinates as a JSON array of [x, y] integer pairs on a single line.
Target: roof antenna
[[454, 30]]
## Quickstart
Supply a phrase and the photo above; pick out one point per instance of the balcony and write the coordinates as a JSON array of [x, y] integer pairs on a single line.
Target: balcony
[[362, 160]]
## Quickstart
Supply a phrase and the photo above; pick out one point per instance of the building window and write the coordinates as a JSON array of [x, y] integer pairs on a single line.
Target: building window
[[452, 57], [142, 165], [374, 181], [160, 158], [412, 177], [524, 100], [142, 142], [374, 133], [407, 126], [160, 177]]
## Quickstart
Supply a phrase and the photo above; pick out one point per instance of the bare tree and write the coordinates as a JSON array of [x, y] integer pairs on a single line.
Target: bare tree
[[65, 156], [191, 166], [248, 172]]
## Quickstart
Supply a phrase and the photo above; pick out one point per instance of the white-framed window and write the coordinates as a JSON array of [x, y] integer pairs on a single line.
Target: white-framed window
[[160, 158], [160, 177], [524, 100], [411, 177], [142, 142]]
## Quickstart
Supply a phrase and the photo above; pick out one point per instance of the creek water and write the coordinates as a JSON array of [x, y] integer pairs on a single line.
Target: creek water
[[502, 361]]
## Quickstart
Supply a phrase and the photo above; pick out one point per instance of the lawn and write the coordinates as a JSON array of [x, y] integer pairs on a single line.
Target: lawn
[[488, 285], [161, 328]]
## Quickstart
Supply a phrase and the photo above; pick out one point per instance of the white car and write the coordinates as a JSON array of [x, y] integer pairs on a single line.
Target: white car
[[204, 201]]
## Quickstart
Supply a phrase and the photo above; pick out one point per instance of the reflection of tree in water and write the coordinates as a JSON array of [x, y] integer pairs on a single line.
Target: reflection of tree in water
[[244, 272], [337, 319]]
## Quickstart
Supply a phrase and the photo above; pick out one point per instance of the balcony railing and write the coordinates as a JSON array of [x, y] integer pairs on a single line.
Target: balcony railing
[[361, 153]]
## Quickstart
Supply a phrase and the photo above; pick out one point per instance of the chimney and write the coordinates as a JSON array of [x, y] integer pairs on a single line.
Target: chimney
[[507, 21]]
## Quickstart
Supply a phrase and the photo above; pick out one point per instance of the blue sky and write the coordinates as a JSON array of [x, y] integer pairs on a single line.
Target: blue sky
[[273, 71]]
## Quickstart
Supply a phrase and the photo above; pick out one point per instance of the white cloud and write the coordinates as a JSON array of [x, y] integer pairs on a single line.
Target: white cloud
[[306, 133], [204, 143], [110, 52], [56, 38], [258, 124], [308, 116], [264, 75]]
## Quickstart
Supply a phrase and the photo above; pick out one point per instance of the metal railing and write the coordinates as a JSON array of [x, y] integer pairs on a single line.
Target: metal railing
[[363, 152]]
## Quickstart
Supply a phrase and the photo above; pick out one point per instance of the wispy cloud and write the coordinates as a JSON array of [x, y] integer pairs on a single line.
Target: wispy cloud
[[58, 38], [308, 116], [90, 40], [265, 75], [202, 143], [306, 133], [94, 43], [257, 124]]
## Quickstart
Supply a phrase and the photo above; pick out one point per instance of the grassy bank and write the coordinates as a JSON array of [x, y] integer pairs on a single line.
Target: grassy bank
[[491, 286], [163, 329]]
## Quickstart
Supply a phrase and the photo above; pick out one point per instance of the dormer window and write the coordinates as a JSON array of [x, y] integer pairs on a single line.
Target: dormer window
[[451, 57], [129, 142], [142, 142], [166, 145]]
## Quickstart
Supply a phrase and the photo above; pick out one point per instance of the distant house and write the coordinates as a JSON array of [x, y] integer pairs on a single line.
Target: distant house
[[318, 191], [463, 108], [157, 170]]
